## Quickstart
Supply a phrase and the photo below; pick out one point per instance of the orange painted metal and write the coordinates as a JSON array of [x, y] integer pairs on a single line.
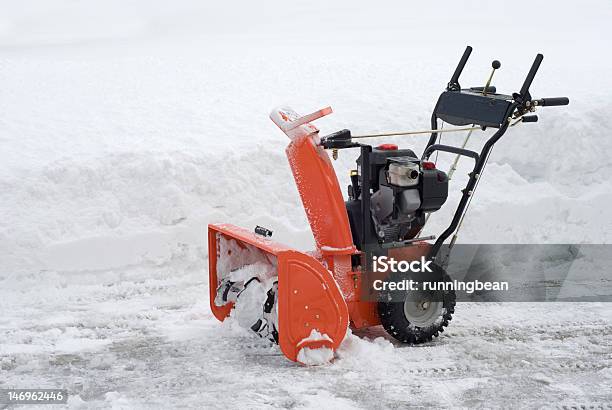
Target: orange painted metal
[[322, 292], [410, 253], [363, 314], [320, 192], [316, 182], [308, 298], [308, 295], [241, 235], [220, 312]]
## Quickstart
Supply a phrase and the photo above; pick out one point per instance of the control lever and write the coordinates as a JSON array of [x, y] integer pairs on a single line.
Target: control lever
[[549, 102], [453, 84], [495, 65], [530, 76], [530, 118], [338, 139]]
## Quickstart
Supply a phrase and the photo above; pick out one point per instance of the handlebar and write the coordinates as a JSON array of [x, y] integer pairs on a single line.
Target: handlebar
[[530, 118], [454, 81], [483, 105], [549, 102], [448, 148], [532, 72]]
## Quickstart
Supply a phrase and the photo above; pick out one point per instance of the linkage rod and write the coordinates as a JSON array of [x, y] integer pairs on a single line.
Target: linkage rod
[[390, 134]]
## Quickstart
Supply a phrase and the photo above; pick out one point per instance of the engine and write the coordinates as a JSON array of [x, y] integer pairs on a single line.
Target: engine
[[398, 189]]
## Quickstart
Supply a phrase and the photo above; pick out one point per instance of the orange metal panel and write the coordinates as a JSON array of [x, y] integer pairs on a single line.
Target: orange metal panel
[[318, 186], [363, 314], [241, 235], [308, 298], [316, 181], [250, 237], [219, 312]]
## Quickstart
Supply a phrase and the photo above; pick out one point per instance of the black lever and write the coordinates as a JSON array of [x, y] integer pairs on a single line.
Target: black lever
[[549, 102], [529, 79], [453, 84], [494, 65], [265, 232], [530, 118], [337, 140]]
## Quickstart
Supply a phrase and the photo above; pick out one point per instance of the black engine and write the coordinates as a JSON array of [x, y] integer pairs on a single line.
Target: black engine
[[398, 189]]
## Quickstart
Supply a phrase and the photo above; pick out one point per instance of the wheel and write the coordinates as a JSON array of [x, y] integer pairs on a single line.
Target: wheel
[[416, 316]]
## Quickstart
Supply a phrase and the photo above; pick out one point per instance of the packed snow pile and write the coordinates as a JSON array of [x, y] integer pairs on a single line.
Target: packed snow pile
[[314, 351], [247, 278], [125, 128], [247, 293], [241, 261]]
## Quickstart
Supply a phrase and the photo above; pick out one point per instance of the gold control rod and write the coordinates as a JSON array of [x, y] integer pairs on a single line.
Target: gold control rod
[[453, 167], [495, 65], [391, 134]]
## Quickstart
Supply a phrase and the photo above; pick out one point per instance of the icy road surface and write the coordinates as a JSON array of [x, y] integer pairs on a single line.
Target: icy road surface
[[127, 126], [147, 339]]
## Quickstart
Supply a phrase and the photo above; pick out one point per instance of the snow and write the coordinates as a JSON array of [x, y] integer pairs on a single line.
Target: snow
[[248, 308], [242, 261], [315, 357], [311, 356], [126, 127]]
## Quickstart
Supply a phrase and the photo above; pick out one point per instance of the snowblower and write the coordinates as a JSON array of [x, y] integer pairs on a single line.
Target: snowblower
[[306, 301]]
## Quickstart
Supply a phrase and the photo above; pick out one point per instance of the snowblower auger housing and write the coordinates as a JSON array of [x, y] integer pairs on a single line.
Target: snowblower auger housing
[[308, 296], [305, 301]]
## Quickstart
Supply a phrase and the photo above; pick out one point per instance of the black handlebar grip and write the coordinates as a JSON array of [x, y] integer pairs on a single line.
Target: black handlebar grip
[[531, 75], [549, 102], [461, 65], [530, 118]]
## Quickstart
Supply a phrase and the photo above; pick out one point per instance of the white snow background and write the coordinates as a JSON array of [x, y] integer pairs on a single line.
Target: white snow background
[[127, 126]]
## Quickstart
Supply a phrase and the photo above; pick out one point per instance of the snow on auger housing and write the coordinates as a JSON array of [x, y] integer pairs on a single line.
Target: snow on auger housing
[[305, 301]]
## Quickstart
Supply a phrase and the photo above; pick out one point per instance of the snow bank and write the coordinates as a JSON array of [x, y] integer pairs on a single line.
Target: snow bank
[[141, 208]]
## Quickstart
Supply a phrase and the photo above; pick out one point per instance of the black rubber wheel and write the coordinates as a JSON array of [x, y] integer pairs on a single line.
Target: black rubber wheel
[[416, 316]]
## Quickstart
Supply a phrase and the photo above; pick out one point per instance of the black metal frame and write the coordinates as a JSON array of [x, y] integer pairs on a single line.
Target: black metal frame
[[479, 163], [507, 106], [520, 103]]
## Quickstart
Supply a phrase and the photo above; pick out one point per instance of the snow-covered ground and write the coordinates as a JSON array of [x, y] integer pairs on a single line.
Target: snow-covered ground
[[126, 127]]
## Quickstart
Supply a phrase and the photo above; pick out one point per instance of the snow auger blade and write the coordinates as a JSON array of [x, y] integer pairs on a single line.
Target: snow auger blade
[[308, 297]]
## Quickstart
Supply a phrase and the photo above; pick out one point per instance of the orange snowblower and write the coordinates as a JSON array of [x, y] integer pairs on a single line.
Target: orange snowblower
[[306, 301]]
